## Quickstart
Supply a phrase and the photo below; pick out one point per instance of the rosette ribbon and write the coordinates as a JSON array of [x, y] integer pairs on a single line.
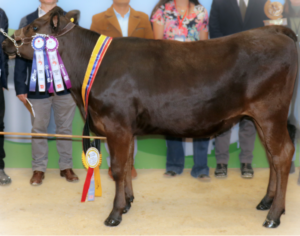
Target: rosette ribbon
[[59, 73], [91, 159], [93, 174], [40, 66]]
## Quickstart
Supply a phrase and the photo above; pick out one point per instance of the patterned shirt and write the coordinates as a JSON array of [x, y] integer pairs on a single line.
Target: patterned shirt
[[192, 24]]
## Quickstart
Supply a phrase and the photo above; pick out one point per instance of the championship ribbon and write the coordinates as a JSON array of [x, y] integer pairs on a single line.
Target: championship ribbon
[[90, 160], [57, 67], [39, 65]]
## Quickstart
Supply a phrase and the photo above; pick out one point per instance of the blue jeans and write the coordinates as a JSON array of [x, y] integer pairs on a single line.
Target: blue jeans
[[175, 156]]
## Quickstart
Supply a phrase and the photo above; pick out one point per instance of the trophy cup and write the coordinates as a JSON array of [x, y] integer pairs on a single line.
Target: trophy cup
[[274, 11]]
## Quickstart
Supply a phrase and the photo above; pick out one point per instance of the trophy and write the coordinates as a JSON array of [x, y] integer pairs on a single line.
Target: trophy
[[274, 11]]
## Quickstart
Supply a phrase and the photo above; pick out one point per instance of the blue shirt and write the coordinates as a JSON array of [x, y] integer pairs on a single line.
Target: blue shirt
[[123, 22]]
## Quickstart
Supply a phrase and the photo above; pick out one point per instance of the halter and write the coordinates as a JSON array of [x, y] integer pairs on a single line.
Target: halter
[[27, 40]]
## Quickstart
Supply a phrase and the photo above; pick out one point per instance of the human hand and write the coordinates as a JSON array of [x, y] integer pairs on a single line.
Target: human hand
[[22, 98]]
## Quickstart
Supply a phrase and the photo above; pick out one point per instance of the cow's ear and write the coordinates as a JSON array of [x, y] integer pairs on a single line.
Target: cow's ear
[[55, 21], [73, 16], [55, 15]]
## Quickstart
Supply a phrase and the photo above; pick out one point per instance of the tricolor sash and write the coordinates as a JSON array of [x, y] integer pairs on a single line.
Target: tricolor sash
[[93, 66], [92, 185]]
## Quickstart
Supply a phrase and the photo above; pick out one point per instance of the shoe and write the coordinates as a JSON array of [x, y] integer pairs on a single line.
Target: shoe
[[204, 178], [37, 178], [70, 175], [247, 171], [221, 171], [170, 173], [4, 178], [133, 173], [292, 170]]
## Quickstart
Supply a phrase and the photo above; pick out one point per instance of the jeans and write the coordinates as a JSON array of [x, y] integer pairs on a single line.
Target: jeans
[[175, 156]]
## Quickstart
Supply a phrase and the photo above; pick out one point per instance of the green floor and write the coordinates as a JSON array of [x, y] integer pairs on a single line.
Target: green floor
[[151, 153]]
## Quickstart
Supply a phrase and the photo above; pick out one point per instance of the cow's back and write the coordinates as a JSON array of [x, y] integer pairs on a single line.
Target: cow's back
[[157, 85]]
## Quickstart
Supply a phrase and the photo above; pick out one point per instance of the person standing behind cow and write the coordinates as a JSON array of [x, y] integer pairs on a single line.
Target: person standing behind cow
[[292, 13], [4, 178], [120, 20], [63, 106], [229, 17], [186, 21]]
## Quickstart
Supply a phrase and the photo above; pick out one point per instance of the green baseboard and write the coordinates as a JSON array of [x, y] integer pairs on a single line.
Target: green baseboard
[[151, 153]]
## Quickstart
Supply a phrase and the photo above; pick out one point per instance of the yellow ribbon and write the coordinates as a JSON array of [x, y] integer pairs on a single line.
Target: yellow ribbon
[[98, 188]]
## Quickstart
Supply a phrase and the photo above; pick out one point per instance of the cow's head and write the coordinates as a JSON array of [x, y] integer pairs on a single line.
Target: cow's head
[[53, 23]]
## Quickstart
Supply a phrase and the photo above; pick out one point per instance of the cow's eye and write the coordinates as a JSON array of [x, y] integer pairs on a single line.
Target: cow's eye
[[35, 28]]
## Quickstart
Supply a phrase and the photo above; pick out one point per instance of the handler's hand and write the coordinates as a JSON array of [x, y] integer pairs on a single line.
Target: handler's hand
[[22, 98]]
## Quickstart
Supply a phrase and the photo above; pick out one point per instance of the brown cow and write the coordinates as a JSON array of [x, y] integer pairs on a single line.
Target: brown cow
[[196, 89]]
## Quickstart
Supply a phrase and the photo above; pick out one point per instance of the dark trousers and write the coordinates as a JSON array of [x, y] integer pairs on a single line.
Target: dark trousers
[[175, 156], [247, 135], [2, 109]]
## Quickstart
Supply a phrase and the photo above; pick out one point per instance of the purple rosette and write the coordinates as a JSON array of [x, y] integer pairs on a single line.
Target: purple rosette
[[52, 45]]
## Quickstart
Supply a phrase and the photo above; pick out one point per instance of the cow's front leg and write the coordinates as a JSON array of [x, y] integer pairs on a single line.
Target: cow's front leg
[[128, 179], [119, 147]]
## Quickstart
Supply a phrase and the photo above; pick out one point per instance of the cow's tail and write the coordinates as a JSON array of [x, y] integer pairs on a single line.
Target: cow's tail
[[288, 32]]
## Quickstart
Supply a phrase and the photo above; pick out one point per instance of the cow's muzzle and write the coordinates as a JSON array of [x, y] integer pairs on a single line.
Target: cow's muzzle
[[8, 47], [18, 36]]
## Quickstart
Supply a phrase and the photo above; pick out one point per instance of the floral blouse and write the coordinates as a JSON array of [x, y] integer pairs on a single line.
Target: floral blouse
[[195, 22]]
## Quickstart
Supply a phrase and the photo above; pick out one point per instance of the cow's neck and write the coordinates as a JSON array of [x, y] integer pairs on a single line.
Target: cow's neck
[[75, 49]]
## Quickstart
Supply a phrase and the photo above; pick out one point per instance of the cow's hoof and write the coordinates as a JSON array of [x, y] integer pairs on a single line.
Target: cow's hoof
[[127, 208], [131, 199], [271, 223], [112, 222], [263, 206]]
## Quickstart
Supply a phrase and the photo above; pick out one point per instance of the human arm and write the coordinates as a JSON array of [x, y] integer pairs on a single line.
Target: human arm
[[158, 31], [203, 27], [203, 35], [21, 70], [158, 22], [214, 21], [4, 57]]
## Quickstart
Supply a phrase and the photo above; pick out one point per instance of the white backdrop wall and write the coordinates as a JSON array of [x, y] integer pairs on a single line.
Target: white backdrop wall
[[16, 9]]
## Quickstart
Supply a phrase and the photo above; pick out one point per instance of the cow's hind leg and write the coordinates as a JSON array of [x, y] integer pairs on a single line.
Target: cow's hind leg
[[128, 180], [119, 146], [280, 151], [267, 201]]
